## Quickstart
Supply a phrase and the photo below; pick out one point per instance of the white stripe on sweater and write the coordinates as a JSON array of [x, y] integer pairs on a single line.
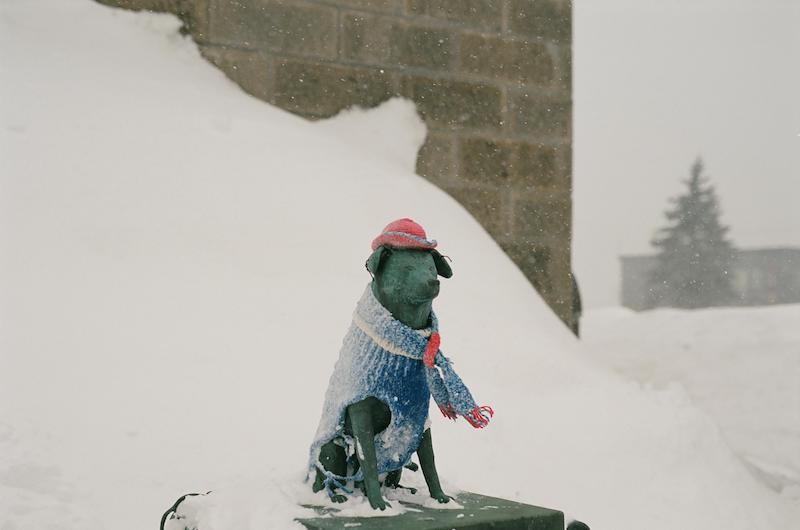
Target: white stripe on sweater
[[380, 341]]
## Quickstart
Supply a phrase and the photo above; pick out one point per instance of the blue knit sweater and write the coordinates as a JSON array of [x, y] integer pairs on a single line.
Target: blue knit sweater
[[383, 358]]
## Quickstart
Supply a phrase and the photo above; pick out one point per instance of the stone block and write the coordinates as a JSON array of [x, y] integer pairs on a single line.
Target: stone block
[[563, 69], [517, 60], [547, 266], [540, 217], [561, 295], [540, 116], [485, 15], [565, 155], [436, 160], [366, 38], [537, 166], [387, 6], [455, 104], [422, 47], [489, 205], [249, 69], [549, 19], [519, 165], [533, 259], [305, 29], [387, 41], [318, 90], [484, 160], [197, 19]]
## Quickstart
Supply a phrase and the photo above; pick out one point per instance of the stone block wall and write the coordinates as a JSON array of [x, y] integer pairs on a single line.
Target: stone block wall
[[491, 78]]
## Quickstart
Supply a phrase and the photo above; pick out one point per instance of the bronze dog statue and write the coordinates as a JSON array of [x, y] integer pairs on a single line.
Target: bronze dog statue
[[376, 409]]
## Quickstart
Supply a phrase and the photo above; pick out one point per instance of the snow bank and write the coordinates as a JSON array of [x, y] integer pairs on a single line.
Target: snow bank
[[740, 365], [179, 265]]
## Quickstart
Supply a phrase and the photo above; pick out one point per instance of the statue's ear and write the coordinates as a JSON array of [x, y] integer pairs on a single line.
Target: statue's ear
[[442, 267], [377, 259]]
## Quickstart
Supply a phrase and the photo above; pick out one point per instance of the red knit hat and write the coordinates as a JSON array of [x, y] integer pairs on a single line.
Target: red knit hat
[[403, 233]]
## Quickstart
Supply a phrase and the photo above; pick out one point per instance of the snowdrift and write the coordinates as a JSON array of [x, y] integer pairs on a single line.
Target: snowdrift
[[180, 262], [740, 365]]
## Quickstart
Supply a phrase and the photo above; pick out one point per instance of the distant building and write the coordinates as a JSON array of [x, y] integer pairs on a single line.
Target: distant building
[[760, 277]]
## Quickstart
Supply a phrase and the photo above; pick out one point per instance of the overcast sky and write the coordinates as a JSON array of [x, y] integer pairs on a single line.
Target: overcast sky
[[658, 83]]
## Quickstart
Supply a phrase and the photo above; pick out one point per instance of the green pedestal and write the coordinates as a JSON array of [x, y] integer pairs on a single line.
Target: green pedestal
[[479, 513]]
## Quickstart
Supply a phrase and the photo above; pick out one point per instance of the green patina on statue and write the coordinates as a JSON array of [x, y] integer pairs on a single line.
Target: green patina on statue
[[405, 267]]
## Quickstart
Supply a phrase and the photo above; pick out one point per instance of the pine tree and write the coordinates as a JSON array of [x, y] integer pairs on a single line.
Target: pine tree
[[694, 256]]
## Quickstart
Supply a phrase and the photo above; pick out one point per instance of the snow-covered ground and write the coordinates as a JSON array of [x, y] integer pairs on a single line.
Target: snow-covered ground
[[179, 263], [740, 365]]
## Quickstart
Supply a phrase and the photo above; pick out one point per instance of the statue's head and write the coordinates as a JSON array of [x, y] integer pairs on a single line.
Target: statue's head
[[405, 265]]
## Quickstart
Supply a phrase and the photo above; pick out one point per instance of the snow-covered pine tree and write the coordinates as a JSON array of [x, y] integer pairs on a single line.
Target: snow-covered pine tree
[[694, 255]]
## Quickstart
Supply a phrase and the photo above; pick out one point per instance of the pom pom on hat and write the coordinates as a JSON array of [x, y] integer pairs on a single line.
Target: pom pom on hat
[[403, 233]]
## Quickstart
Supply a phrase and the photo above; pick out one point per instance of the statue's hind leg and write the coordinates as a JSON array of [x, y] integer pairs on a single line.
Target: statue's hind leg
[[333, 458], [392, 479], [364, 420]]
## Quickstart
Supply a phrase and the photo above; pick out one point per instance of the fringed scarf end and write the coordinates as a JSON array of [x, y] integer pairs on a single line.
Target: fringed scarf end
[[448, 412], [479, 417]]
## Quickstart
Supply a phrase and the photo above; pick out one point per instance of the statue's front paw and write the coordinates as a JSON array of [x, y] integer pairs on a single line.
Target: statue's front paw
[[338, 499], [441, 497], [377, 502]]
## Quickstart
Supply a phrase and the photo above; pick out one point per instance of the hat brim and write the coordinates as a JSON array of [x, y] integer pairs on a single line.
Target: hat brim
[[402, 240]]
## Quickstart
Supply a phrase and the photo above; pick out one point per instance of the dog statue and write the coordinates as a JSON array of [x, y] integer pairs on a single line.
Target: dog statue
[[375, 414]]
